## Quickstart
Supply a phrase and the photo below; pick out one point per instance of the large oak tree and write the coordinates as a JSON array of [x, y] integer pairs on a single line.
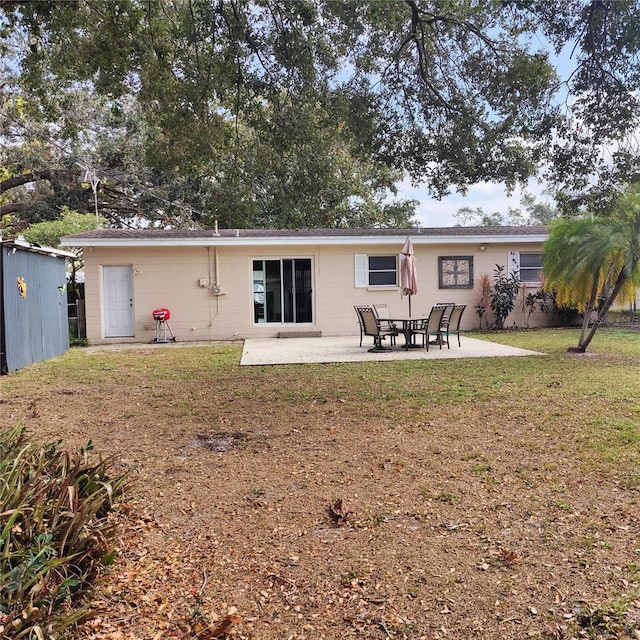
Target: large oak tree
[[262, 112]]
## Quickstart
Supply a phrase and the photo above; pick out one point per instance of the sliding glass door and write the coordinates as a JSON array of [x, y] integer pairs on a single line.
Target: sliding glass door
[[282, 291]]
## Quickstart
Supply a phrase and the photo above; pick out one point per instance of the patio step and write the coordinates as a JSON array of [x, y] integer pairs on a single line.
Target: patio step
[[300, 334]]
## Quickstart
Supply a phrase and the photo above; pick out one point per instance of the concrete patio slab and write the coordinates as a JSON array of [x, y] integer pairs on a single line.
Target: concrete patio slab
[[271, 351]]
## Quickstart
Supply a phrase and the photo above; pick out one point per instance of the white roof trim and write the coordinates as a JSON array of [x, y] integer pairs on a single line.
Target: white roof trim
[[302, 241], [48, 251]]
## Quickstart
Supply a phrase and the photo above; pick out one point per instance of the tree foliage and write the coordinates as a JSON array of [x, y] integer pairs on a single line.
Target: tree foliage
[[48, 233], [261, 112], [595, 149], [531, 212], [183, 129]]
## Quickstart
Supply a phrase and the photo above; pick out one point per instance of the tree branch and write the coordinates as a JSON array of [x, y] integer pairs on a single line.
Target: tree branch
[[33, 176], [12, 207]]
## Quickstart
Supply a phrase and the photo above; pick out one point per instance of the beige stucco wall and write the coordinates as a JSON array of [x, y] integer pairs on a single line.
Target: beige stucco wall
[[170, 277]]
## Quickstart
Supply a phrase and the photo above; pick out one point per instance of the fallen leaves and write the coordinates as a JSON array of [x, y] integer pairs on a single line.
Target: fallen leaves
[[339, 512], [156, 591], [501, 557], [222, 626], [508, 556]]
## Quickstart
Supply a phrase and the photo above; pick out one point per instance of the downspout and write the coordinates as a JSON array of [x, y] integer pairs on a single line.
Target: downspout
[[216, 233], [214, 281], [217, 266]]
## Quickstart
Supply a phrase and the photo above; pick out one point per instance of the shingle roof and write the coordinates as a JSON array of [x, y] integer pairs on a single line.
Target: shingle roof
[[158, 234]]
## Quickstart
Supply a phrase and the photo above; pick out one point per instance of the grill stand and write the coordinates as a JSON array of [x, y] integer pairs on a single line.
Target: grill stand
[[163, 332]]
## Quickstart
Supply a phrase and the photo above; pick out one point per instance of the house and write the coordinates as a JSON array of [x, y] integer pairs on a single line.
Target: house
[[241, 283], [33, 304]]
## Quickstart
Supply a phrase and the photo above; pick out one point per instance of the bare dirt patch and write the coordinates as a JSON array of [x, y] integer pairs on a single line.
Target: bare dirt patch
[[316, 502]]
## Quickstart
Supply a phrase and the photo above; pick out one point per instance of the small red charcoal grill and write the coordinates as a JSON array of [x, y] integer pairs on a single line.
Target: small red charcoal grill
[[163, 330]]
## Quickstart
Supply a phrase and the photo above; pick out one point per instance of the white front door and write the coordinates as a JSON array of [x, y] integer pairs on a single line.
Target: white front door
[[118, 302]]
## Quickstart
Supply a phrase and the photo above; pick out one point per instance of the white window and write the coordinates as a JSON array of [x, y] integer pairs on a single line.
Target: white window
[[530, 267], [376, 271], [527, 266]]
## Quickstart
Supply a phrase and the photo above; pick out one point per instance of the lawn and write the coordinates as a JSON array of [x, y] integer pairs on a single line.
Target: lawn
[[480, 498]]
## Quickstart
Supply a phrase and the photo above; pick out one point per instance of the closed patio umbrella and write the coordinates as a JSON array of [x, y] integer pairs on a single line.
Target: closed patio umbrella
[[408, 272]]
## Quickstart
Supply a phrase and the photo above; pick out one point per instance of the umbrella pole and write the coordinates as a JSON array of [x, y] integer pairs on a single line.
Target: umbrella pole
[[409, 305]]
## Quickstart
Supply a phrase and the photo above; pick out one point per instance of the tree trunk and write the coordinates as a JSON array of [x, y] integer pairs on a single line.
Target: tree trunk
[[589, 309], [602, 312]]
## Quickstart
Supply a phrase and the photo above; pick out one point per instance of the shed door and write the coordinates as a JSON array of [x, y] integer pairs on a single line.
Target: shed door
[[118, 302]]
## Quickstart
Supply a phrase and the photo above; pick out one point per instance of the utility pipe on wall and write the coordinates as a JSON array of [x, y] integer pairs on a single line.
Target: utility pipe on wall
[[213, 282]]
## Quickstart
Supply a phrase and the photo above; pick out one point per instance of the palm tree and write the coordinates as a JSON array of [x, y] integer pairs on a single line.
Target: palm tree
[[591, 262]]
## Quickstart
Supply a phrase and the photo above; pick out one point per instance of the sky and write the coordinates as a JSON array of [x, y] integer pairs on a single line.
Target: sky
[[488, 196]]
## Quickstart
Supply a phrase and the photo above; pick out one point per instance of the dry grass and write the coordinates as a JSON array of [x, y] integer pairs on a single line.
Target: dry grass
[[488, 499]]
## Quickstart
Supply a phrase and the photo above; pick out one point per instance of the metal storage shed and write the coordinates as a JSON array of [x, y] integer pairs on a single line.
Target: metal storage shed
[[34, 324]]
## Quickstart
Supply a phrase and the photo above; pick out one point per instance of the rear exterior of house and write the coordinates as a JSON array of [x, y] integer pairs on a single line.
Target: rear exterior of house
[[245, 283]]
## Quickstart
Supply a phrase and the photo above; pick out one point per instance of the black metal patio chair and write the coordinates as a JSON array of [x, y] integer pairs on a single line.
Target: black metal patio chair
[[359, 323], [432, 326], [453, 324], [371, 326], [384, 315]]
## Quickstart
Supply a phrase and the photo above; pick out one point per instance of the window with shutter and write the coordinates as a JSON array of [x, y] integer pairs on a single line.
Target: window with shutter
[[376, 271]]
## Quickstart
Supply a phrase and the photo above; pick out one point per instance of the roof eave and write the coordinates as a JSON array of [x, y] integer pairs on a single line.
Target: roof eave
[[301, 240], [34, 248]]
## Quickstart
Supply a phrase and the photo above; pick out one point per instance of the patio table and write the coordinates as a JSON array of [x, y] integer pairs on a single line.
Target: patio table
[[408, 323]]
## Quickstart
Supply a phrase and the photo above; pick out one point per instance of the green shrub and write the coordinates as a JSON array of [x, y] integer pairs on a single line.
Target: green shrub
[[503, 295], [54, 533]]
